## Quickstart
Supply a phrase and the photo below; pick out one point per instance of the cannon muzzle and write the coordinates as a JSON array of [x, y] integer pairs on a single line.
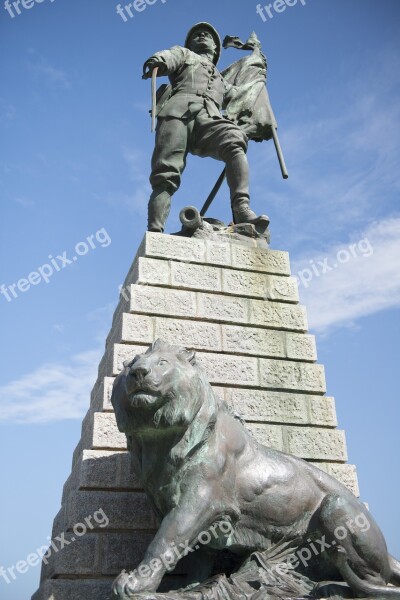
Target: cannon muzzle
[[190, 218]]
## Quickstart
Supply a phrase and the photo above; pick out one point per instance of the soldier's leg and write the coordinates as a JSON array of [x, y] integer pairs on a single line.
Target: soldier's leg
[[167, 165], [223, 140]]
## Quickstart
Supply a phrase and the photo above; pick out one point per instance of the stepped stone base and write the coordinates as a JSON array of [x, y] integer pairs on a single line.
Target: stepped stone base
[[237, 306]]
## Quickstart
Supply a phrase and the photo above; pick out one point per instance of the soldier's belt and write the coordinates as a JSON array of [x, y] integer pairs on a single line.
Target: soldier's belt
[[195, 93]]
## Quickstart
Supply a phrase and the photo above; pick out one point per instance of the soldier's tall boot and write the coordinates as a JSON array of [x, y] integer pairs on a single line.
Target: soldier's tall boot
[[158, 210], [237, 176]]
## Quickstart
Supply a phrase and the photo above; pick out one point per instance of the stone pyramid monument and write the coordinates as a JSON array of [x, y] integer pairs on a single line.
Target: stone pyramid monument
[[234, 303]]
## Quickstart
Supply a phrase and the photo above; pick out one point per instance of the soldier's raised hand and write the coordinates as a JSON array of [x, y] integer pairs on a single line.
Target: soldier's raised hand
[[149, 66]]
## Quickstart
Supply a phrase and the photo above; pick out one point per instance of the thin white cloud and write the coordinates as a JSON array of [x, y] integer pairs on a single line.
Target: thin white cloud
[[25, 202], [53, 76], [359, 282], [7, 111], [53, 392]]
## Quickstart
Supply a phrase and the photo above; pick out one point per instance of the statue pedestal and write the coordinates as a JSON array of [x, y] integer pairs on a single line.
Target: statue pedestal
[[237, 306]]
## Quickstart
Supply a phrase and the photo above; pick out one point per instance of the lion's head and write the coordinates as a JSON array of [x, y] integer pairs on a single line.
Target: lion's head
[[165, 388]]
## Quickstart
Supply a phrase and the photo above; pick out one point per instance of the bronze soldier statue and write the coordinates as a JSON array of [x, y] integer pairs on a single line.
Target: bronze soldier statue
[[190, 120]]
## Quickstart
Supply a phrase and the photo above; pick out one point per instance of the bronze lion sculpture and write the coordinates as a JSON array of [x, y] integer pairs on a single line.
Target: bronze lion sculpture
[[200, 467]]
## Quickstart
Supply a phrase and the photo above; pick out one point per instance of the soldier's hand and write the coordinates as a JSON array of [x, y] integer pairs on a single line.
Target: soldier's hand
[[149, 66]]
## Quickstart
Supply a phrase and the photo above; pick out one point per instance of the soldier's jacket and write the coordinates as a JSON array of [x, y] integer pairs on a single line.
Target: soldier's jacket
[[195, 82]]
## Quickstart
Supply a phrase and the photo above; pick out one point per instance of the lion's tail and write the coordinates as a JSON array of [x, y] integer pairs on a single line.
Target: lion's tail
[[395, 567]]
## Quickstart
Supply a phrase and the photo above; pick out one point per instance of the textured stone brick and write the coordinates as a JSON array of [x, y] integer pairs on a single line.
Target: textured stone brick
[[218, 253], [225, 369], [268, 435], [322, 411], [275, 407], [77, 452], [123, 551], [101, 395], [159, 245], [124, 510], [261, 342], [278, 315], [223, 308], [249, 340], [316, 444], [196, 277], [80, 589], [258, 259], [101, 469], [151, 271], [257, 285], [346, 474], [115, 356], [105, 432], [77, 557], [191, 334], [300, 347], [160, 301], [129, 328], [291, 375]]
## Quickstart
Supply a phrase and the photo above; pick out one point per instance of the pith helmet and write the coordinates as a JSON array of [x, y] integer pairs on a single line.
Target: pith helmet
[[214, 33]]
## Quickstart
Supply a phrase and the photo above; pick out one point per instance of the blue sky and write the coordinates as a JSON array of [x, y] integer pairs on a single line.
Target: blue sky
[[76, 147]]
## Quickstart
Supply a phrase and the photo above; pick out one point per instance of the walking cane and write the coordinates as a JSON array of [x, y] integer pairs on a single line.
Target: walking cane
[[153, 98]]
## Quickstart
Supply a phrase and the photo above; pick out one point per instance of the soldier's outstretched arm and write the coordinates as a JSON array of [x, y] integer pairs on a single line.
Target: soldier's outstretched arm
[[167, 61]]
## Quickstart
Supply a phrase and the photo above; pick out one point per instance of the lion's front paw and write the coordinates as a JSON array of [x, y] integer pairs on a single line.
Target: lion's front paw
[[127, 585]]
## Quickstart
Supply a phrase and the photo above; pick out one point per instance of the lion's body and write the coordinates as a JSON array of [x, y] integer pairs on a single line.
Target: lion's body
[[199, 465]]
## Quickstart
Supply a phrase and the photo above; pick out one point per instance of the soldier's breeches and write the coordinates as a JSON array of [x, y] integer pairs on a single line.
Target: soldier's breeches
[[203, 136], [169, 156]]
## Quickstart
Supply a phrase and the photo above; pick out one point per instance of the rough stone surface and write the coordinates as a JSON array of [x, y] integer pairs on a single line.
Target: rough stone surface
[[269, 407], [269, 435], [102, 469], [132, 328], [344, 473], [159, 301], [64, 589], [182, 249], [227, 369], [95, 554], [198, 277], [191, 334], [149, 271], [257, 259], [278, 315], [214, 307], [261, 342], [291, 375], [125, 510], [234, 255], [101, 394], [300, 347], [317, 444], [257, 285]]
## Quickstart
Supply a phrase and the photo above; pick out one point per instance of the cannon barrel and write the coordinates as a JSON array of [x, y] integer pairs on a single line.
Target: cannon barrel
[[190, 218]]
